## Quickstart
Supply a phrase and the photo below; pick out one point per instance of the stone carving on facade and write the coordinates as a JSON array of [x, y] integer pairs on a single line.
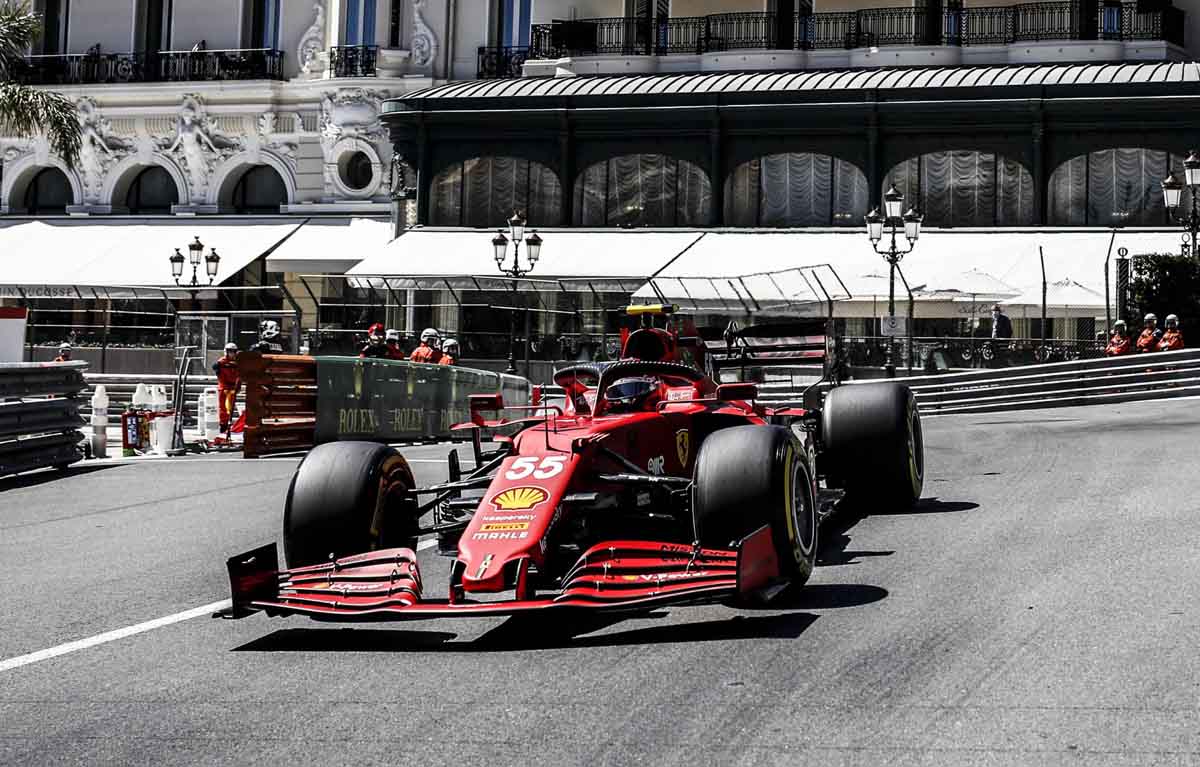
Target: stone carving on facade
[[313, 40], [266, 123], [424, 44], [98, 149], [350, 123], [352, 112], [199, 145]]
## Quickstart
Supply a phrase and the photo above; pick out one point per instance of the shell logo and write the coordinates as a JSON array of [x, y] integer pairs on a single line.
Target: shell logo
[[519, 498]]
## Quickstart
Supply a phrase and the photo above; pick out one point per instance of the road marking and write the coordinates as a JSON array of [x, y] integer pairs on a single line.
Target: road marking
[[110, 636], [134, 630]]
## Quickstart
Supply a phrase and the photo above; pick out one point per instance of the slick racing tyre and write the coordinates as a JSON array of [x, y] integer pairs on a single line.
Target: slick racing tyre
[[750, 476], [347, 498], [873, 445]]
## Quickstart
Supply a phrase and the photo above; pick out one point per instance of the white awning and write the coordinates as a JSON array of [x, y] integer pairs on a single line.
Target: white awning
[[45, 256], [330, 245], [938, 263], [571, 259]]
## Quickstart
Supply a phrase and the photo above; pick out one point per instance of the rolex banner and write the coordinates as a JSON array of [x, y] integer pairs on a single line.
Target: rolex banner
[[397, 401]]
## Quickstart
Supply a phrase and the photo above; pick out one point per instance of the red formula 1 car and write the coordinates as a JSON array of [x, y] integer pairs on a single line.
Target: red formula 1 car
[[651, 484]]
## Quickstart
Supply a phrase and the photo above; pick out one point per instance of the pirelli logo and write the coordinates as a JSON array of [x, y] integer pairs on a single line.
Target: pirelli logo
[[497, 526]]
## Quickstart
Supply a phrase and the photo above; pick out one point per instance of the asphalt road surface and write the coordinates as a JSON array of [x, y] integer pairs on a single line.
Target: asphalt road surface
[[1041, 606]]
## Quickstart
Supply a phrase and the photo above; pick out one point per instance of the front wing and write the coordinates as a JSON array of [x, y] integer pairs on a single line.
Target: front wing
[[615, 575]]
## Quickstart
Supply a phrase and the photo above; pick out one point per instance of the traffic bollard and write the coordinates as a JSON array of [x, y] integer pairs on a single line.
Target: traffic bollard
[[100, 422]]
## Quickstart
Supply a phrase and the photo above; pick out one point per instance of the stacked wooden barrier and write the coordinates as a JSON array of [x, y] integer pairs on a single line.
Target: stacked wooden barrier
[[281, 402]]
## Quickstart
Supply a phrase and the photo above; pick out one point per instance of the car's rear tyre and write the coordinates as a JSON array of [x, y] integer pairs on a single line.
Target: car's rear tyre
[[750, 476], [872, 443], [346, 498]]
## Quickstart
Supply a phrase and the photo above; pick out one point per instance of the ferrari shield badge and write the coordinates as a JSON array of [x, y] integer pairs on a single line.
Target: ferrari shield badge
[[683, 444]]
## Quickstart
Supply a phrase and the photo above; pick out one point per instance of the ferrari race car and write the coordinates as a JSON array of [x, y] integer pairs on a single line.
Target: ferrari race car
[[648, 483]]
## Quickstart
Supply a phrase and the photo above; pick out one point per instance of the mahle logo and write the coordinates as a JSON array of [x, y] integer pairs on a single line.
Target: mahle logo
[[519, 498]]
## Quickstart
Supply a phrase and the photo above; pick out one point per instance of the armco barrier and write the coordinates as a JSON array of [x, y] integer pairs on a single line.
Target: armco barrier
[[295, 402], [1056, 384], [39, 415]]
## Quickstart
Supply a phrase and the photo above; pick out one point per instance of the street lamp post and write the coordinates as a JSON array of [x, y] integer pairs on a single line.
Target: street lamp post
[[1172, 196], [910, 224], [533, 249], [195, 255]]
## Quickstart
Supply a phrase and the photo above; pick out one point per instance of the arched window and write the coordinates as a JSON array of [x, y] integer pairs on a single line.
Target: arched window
[[48, 193], [642, 190], [1111, 186], [796, 189], [965, 188], [259, 190], [153, 191], [484, 191]]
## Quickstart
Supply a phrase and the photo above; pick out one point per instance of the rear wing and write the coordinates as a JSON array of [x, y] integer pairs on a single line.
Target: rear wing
[[805, 343]]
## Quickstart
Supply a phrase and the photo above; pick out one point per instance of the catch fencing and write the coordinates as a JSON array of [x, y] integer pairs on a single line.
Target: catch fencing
[[39, 415], [1057, 384]]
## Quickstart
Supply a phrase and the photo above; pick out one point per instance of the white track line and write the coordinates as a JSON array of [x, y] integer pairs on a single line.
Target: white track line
[[137, 628]]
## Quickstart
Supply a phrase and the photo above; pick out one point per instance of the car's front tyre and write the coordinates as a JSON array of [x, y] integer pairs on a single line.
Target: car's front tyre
[[346, 498], [750, 476]]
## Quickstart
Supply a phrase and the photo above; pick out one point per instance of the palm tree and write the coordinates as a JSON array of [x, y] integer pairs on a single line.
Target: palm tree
[[25, 110]]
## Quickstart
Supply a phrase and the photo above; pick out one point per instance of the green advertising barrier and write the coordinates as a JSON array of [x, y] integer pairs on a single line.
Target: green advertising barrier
[[398, 401]]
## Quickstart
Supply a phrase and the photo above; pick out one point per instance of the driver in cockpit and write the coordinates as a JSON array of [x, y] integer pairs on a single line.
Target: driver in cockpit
[[633, 394]]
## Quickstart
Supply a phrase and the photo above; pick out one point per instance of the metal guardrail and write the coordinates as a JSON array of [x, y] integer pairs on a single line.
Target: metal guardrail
[[120, 389], [1055, 384], [39, 415]]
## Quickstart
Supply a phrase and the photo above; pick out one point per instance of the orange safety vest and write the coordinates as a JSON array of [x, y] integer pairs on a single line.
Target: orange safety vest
[[1171, 341], [446, 359], [1147, 340], [1118, 345], [427, 354], [227, 374]]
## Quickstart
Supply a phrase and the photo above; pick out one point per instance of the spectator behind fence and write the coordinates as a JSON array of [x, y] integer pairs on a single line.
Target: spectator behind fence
[[449, 352], [1172, 340], [1148, 340], [1120, 342], [1001, 324], [64, 353]]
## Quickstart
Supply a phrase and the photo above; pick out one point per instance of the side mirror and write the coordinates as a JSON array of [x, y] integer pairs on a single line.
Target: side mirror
[[479, 403], [737, 392]]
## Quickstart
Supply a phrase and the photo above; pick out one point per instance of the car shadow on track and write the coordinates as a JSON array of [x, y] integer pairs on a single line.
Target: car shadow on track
[[790, 619], [523, 635]]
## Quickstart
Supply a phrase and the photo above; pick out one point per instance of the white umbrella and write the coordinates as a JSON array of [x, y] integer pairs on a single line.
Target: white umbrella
[[1066, 293], [976, 284]]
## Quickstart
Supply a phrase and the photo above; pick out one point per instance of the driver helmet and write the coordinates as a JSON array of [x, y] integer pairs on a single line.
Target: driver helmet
[[268, 329], [64, 348], [450, 346], [630, 393], [231, 348], [392, 335], [1172, 320], [1119, 325], [429, 336], [375, 334], [1150, 318]]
